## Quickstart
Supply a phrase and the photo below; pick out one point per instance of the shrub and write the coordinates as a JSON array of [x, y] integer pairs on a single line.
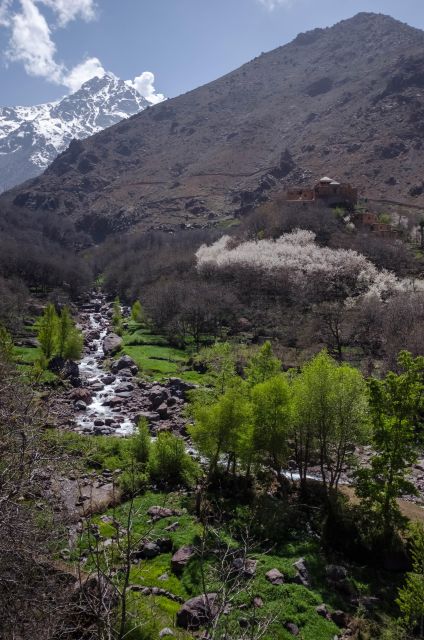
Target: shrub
[[141, 444], [169, 462]]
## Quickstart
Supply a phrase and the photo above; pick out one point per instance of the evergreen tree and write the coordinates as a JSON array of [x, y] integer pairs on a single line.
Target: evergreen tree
[[117, 316], [65, 325], [141, 442], [137, 312], [47, 331]]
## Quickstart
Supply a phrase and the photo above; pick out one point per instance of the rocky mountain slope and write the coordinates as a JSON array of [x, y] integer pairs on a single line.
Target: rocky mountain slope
[[32, 137], [346, 101]]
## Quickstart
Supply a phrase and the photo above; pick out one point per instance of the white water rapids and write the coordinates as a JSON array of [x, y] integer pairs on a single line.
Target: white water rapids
[[92, 373]]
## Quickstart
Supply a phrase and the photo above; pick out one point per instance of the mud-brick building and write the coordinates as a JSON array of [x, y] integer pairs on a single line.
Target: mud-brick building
[[328, 191], [372, 222]]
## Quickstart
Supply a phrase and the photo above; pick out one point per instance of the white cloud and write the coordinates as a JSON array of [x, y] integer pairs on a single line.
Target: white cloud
[[82, 72], [273, 4], [4, 13], [68, 10], [31, 44], [145, 85]]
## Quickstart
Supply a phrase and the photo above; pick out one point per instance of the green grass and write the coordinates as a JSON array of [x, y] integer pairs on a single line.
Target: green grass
[[285, 603], [26, 358], [155, 358], [94, 452]]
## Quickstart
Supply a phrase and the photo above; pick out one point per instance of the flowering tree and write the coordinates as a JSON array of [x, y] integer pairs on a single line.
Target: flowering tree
[[341, 272]]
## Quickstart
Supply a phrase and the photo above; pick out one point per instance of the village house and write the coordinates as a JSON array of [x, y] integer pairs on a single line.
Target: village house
[[327, 190], [371, 220]]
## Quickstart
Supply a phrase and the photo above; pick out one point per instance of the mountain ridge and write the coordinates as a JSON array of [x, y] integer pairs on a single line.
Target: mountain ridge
[[346, 100], [32, 137]]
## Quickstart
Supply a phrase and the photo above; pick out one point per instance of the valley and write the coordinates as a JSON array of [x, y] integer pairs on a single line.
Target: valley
[[212, 345]]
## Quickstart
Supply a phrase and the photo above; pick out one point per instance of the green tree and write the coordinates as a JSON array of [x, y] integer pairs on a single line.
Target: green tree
[[220, 362], [272, 419], [169, 462], [411, 595], [262, 366], [73, 345], [218, 427], [137, 312], [330, 416], [141, 442], [117, 316], [64, 327], [396, 404], [47, 331]]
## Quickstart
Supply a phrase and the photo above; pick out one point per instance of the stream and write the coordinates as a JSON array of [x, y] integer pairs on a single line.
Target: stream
[[103, 385]]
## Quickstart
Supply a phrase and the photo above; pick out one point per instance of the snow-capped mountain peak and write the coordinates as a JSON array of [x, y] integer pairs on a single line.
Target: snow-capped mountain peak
[[31, 137]]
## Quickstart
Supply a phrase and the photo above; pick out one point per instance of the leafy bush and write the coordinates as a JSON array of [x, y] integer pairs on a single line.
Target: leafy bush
[[140, 443], [169, 462]]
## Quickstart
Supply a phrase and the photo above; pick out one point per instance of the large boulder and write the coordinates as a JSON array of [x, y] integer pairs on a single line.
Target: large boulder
[[197, 612], [124, 362], [157, 395], [181, 558], [112, 343]]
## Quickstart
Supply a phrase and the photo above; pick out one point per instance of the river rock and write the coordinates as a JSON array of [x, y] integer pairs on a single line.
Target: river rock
[[80, 405], [150, 416], [157, 396], [126, 374], [322, 610], [197, 612], [180, 387], [163, 411], [181, 558], [124, 386], [124, 362], [112, 343], [81, 394], [108, 379]]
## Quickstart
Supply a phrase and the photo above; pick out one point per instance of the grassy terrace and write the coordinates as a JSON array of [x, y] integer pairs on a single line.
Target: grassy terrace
[[27, 358], [155, 358]]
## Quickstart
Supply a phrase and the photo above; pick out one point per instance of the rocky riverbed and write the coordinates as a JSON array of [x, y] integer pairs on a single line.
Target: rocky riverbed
[[107, 397]]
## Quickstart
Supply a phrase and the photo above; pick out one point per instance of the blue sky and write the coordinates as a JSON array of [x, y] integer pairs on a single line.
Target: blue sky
[[48, 47]]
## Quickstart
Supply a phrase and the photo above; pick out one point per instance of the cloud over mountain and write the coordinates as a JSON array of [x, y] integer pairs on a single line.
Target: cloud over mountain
[[31, 43]]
